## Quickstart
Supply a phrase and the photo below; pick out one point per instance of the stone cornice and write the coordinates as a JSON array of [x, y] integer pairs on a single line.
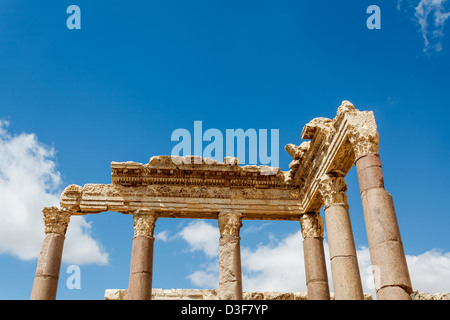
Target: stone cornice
[[192, 170]]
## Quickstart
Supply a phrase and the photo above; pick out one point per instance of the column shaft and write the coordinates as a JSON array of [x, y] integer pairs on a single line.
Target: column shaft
[[230, 277], [344, 263], [392, 280], [315, 267], [45, 283], [47, 272], [141, 268]]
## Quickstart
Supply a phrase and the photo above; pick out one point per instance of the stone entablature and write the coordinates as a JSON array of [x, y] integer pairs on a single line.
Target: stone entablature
[[189, 190], [333, 147]]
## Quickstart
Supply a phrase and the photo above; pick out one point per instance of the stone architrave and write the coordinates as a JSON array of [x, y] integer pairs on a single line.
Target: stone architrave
[[230, 277], [315, 267], [344, 262], [390, 270], [141, 269], [47, 272]]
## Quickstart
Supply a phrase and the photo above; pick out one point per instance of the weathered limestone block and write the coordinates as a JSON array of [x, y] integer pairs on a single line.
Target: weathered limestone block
[[197, 294]]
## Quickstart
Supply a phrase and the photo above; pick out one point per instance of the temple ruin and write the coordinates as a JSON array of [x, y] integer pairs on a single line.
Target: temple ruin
[[193, 187]]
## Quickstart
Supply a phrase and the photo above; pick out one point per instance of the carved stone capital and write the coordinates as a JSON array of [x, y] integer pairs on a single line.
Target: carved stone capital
[[56, 220], [311, 225], [144, 222], [333, 189], [230, 223]]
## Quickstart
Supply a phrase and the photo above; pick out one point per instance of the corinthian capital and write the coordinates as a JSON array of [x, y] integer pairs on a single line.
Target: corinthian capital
[[56, 220], [333, 189], [144, 222], [230, 223], [312, 225]]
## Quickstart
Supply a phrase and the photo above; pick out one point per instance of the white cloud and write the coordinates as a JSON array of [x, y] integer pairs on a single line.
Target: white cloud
[[430, 271], [279, 265], [162, 236], [276, 267], [29, 181], [431, 16], [208, 277], [201, 236]]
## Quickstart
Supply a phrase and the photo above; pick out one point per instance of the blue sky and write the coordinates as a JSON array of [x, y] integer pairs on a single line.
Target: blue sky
[[72, 101]]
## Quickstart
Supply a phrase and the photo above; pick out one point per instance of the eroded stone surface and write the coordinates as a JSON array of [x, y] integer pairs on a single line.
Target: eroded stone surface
[[196, 294]]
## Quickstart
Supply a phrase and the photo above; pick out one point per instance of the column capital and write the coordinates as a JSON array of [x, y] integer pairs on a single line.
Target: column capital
[[333, 189], [56, 220], [311, 225], [230, 223], [144, 222]]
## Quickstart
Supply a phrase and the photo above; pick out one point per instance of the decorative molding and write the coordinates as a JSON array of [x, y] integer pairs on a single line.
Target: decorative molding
[[195, 171]]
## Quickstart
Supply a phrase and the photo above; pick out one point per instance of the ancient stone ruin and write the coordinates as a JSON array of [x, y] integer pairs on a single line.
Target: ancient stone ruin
[[193, 187]]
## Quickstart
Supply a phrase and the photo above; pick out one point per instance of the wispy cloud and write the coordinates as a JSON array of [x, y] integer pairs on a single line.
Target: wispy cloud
[[431, 16], [30, 181]]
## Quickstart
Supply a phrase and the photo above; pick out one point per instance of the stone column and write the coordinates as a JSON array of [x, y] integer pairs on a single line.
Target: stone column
[[390, 270], [315, 267], [141, 269], [344, 263], [388, 259], [230, 277], [47, 272]]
